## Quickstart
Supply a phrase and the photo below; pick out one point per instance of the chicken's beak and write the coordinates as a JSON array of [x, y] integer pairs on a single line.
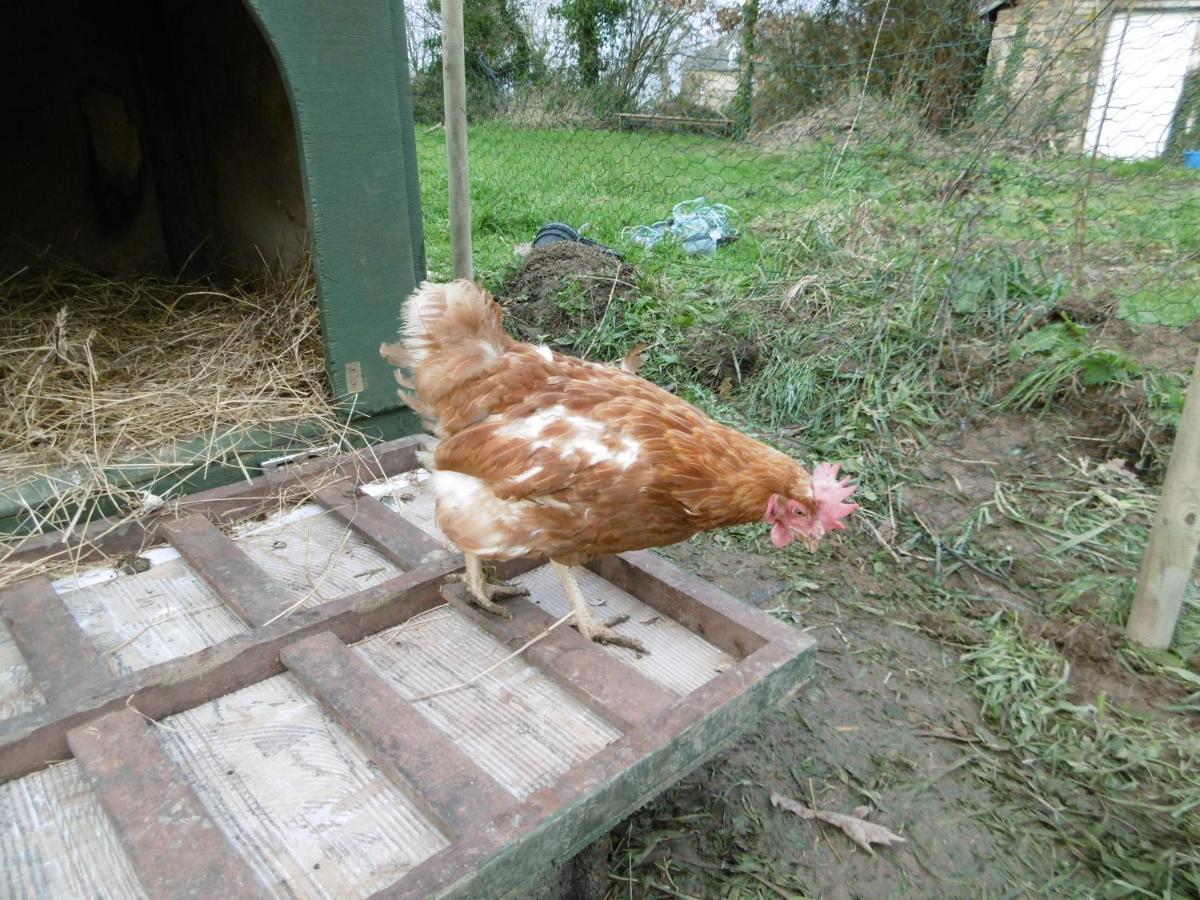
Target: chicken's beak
[[810, 535]]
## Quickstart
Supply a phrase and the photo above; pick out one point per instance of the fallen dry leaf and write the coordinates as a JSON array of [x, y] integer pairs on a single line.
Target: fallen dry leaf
[[855, 826], [1118, 465]]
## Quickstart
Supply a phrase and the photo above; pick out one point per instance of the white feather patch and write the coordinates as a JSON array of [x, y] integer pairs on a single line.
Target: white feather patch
[[493, 522], [587, 437]]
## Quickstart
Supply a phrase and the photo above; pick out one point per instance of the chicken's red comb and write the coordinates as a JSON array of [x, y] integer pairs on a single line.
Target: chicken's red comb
[[831, 494]]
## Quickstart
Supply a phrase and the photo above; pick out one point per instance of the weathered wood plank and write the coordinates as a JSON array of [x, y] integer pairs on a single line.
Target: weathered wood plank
[[502, 856], [368, 464], [174, 845], [390, 533], [410, 750], [703, 608], [64, 663], [33, 739], [249, 591], [56, 841], [621, 694], [676, 658], [105, 537]]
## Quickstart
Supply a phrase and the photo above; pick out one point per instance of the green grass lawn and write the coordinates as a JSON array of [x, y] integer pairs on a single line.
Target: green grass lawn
[[524, 178], [1141, 243], [896, 307]]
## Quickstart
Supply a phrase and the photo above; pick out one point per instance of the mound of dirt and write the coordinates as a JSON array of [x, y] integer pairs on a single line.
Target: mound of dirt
[[564, 287]]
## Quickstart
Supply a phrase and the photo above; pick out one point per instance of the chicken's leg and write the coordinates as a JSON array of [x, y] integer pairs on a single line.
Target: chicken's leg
[[482, 591], [587, 623]]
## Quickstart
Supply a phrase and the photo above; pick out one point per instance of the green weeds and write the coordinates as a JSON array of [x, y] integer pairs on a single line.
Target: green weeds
[[1064, 361], [886, 319]]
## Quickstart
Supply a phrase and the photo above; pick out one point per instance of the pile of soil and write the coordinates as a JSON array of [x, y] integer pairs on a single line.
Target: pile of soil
[[564, 287], [538, 305]]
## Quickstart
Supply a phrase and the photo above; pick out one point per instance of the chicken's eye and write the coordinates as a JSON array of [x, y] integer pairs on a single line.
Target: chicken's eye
[[797, 511]]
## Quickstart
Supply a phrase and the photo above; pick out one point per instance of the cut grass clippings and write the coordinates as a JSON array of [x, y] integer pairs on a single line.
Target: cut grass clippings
[[1119, 789]]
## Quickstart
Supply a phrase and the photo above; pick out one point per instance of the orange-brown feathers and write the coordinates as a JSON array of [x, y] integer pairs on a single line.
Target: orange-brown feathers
[[546, 454], [451, 335]]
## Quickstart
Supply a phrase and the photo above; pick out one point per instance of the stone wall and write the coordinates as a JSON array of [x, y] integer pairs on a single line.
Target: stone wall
[[1044, 61]]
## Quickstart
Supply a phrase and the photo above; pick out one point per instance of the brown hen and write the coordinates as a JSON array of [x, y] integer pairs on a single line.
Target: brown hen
[[547, 455]]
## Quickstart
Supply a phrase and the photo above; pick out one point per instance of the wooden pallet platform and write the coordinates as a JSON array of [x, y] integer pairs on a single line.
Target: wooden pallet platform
[[276, 700]]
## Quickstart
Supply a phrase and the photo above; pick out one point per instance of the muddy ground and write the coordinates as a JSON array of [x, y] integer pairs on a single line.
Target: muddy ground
[[888, 720], [883, 723]]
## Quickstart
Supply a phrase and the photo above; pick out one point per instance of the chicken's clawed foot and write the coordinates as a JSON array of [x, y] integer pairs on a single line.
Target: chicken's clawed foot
[[586, 622], [483, 592], [603, 633], [489, 592]]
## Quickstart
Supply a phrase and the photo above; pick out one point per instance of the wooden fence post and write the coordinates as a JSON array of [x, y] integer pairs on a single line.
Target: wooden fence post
[[454, 88], [1167, 566]]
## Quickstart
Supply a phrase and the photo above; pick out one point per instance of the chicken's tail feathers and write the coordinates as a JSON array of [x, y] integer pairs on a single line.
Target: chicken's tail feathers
[[451, 333], [398, 356], [441, 317]]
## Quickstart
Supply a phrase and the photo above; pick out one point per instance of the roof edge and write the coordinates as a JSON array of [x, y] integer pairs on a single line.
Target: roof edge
[[987, 7]]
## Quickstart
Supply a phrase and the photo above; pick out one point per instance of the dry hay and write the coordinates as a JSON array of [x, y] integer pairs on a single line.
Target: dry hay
[[96, 372], [855, 120]]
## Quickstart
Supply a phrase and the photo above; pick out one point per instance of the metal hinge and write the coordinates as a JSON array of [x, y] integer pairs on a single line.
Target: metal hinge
[[280, 462]]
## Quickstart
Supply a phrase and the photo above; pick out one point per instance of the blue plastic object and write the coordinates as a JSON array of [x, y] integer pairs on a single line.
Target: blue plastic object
[[1191, 159]]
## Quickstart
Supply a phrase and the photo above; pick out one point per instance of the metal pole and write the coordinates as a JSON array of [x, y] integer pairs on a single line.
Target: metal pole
[[1167, 566], [454, 86]]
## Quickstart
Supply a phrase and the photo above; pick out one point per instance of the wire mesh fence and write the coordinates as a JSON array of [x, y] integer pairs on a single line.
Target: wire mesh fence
[[1026, 165], [1059, 133], [963, 258]]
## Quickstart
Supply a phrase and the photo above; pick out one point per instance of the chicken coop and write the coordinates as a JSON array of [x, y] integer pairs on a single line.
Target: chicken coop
[[187, 186]]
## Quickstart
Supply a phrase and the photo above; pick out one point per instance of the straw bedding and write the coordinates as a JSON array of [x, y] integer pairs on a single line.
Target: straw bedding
[[95, 371]]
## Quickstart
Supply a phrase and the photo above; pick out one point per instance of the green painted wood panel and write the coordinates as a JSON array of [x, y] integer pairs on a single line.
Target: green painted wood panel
[[346, 71], [185, 467]]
